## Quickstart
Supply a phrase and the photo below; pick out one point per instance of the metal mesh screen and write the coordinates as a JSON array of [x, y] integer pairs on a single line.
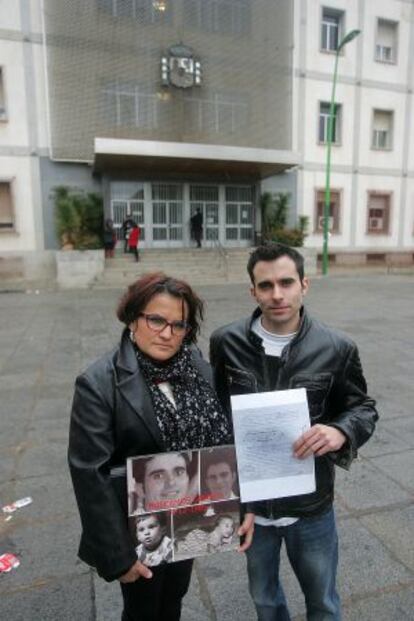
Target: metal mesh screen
[[103, 59]]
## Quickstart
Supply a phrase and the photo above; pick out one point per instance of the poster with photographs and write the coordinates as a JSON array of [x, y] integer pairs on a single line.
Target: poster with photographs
[[183, 505]]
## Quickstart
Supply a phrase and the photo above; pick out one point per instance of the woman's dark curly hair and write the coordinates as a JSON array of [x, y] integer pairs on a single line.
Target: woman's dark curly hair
[[140, 292]]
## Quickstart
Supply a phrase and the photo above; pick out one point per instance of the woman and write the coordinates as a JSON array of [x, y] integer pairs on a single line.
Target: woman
[[109, 238], [150, 395], [133, 240]]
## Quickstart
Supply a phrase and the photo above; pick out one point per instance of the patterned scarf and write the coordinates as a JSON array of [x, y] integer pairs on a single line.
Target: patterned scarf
[[198, 419]]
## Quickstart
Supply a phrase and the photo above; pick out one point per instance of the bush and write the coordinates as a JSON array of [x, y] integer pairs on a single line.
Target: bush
[[78, 219], [289, 237]]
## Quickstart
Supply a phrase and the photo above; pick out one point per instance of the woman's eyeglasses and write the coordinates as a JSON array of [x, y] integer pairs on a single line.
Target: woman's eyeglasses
[[156, 323]]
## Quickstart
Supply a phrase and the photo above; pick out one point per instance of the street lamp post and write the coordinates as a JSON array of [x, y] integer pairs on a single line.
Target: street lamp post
[[326, 208]]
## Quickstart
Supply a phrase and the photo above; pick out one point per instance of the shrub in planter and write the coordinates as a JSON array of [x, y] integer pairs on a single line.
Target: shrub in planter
[[78, 219], [289, 237]]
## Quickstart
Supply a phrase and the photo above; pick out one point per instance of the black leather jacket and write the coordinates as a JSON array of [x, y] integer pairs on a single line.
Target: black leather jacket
[[319, 359], [112, 419]]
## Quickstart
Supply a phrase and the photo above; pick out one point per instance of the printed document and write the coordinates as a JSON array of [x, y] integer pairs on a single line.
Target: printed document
[[265, 427]]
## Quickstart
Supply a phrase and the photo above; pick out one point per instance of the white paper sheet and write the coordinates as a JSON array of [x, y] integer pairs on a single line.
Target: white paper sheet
[[265, 427]]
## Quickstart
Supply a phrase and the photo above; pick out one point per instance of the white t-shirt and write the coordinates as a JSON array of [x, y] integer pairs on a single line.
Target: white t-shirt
[[273, 345]]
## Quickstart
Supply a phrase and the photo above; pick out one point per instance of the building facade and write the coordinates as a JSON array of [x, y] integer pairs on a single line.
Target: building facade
[[169, 106]]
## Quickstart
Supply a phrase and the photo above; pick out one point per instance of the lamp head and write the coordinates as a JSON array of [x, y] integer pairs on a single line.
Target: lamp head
[[347, 38]]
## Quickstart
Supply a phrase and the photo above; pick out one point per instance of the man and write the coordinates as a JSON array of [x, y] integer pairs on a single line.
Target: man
[[219, 473], [196, 225], [279, 347]]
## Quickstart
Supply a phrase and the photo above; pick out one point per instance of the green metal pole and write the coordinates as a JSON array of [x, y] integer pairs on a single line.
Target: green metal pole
[[326, 209]]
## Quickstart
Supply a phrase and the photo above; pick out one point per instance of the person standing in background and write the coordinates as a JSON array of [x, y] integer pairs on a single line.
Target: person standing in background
[[196, 225], [133, 240]]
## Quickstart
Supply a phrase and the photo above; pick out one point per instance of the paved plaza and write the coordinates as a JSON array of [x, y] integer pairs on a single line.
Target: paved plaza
[[47, 338]]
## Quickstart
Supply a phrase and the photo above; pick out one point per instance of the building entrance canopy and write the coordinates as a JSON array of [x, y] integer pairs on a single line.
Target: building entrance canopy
[[154, 158]]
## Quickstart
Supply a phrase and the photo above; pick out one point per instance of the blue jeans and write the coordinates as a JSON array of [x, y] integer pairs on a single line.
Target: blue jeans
[[312, 548]]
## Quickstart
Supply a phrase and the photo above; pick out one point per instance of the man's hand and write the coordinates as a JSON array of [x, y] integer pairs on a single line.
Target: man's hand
[[246, 528], [318, 440], [137, 570]]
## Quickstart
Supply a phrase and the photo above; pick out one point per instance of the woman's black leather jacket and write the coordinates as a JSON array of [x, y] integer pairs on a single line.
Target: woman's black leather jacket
[[112, 419], [323, 361]]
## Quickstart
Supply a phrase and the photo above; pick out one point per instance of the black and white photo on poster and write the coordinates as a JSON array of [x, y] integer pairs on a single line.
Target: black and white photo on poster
[[183, 504], [218, 473], [162, 481], [152, 534], [205, 529]]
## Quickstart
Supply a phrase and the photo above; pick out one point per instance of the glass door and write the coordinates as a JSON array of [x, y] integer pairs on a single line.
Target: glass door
[[206, 199], [239, 216], [167, 215]]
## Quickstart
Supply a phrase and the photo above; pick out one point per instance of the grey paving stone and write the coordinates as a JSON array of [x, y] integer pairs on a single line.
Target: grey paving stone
[[402, 428], [7, 466], [222, 582], [365, 564], [385, 440], [64, 599], [18, 380], [52, 496], [398, 467], [108, 599], [53, 409], [42, 459], [398, 606], [365, 487], [46, 550], [391, 527]]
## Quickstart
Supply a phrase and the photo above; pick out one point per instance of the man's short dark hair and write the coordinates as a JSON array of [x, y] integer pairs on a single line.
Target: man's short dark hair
[[271, 252]]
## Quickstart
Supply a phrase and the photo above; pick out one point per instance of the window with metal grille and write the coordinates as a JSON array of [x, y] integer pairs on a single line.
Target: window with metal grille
[[331, 29], [206, 199], [6, 207], [221, 16], [167, 212], [127, 199], [386, 41], [324, 109], [3, 111], [379, 206], [382, 129], [239, 213], [334, 211]]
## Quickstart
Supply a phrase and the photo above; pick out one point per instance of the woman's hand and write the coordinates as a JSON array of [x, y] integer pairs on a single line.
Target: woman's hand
[[137, 570], [246, 529]]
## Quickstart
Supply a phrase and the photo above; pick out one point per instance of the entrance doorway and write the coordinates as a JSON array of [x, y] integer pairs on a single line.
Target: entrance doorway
[[163, 212]]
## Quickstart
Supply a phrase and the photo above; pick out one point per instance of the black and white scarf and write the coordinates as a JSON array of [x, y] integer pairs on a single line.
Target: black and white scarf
[[198, 420]]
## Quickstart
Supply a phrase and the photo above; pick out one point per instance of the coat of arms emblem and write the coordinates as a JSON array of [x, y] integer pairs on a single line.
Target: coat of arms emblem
[[180, 68]]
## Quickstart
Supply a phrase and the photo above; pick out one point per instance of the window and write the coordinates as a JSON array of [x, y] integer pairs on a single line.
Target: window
[[379, 205], [145, 11], [239, 213], [382, 130], [3, 112], [131, 105], [324, 108], [332, 26], [334, 211], [386, 41], [217, 113], [222, 16], [6, 207]]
